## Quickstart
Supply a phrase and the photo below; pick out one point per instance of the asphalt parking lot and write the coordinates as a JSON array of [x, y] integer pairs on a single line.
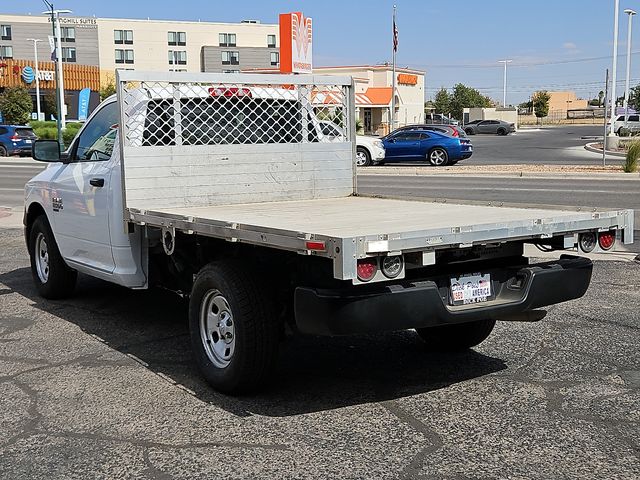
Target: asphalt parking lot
[[102, 386]]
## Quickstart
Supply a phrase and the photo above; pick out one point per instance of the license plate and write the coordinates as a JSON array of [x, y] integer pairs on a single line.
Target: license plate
[[468, 289], [27, 141]]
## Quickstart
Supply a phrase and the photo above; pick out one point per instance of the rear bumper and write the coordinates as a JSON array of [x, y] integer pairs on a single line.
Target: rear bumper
[[425, 303]]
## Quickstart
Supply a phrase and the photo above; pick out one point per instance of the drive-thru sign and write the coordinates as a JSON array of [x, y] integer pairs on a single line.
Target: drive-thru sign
[[295, 43]]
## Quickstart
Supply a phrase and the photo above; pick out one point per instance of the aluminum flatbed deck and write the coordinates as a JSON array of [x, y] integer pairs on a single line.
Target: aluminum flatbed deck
[[352, 227]]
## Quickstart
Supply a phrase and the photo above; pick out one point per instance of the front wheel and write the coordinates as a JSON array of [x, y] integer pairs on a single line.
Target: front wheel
[[438, 157], [233, 327], [3, 151], [53, 278], [456, 337], [363, 157], [470, 131]]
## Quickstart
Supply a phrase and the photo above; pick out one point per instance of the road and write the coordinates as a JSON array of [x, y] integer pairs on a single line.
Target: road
[[103, 386], [522, 190], [557, 145]]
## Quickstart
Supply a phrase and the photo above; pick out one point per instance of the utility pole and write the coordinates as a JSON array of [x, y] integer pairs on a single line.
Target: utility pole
[[604, 121], [504, 84], [616, 12], [631, 13], [35, 54]]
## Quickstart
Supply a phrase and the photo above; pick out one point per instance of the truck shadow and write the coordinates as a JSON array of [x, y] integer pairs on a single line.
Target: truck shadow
[[314, 373]]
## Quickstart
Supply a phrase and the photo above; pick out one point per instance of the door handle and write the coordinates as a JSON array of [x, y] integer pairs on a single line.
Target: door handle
[[97, 182]]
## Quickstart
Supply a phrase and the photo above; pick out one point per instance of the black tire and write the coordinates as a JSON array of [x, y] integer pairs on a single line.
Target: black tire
[[59, 281], [363, 153], [256, 330], [470, 131], [3, 151], [442, 154], [456, 337], [378, 163], [502, 131]]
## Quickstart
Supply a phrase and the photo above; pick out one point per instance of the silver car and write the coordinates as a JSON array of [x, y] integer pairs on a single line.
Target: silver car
[[497, 127]]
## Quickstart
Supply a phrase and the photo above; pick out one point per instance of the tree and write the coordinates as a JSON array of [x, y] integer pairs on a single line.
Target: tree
[[442, 101], [50, 104], [541, 103], [467, 97], [634, 97], [108, 89], [16, 105]]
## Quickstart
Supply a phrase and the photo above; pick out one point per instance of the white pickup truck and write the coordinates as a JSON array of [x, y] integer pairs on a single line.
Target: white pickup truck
[[222, 187]]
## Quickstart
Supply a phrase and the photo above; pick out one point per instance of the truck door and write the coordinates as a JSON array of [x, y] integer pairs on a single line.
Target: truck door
[[80, 192]]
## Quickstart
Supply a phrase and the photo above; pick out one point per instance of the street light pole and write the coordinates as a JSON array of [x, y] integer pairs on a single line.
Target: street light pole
[[631, 13], [504, 84], [616, 12], [35, 54], [55, 19]]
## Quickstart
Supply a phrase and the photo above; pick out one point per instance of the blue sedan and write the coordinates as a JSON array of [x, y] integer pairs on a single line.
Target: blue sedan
[[438, 148]]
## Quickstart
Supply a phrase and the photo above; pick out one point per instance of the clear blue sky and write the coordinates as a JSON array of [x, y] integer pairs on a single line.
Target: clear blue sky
[[461, 41]]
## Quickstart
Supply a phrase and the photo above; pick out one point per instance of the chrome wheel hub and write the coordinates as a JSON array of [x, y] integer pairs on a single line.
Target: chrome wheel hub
[[217, 328], [361, 159], [437, 157], [42, 258]]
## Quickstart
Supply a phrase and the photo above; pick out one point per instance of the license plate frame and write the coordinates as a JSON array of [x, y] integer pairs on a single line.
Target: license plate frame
[[470, 289]]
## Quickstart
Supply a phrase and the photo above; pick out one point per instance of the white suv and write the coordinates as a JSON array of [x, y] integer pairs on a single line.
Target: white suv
[[369, 150], [633, 123]]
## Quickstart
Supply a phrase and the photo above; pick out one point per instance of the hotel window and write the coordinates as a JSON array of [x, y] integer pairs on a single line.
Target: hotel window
[[5, 33], [124, 56], [231, 58], [177, 57], [123, 37], [68, 34], [271, 41], [275, 58], [227, 39], [69, 54], [177, 38], [6, 52]]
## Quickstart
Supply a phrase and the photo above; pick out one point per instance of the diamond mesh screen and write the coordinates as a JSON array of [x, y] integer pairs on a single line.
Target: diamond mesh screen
[[157, 113]]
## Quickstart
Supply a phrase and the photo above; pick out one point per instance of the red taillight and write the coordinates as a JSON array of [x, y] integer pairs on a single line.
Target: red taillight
[[229, 92], [455, 133], [367, 268], [606, 240], [15, 138]]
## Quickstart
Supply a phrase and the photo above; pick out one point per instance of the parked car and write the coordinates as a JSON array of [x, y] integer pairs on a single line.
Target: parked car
[[436, 147], [439, 119], [499, 127], [369, 150], [16, 140], [633, 123], [453, 130]]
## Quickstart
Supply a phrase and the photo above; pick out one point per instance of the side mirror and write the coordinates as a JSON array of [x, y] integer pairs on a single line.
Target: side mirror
[[46, 151]]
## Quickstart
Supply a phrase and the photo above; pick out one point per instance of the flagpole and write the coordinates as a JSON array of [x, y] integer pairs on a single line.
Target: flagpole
[[393, 81]]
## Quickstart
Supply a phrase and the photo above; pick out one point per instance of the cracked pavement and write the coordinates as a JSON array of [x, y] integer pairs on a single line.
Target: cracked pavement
[[102, 386]]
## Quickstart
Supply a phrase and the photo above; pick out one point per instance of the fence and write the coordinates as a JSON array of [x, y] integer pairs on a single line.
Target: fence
[[590, 116]]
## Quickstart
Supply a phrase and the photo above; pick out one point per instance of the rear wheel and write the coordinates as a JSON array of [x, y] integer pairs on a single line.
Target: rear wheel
[[363, 157], [234, 328], [456, 337], [3, 151], [502, 131], [438, 157], [53, 278]]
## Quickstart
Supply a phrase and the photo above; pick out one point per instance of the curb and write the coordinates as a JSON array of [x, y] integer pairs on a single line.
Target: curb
[[423, 172], [590, 148]]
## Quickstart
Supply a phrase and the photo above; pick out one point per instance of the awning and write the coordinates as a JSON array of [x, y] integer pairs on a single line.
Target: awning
[[372, 97]]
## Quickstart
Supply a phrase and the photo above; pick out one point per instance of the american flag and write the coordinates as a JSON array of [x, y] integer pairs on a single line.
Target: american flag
[[395, 35]]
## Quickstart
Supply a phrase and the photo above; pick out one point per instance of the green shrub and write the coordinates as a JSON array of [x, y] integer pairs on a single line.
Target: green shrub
[[16, 105], [68, 134], [631, 160]]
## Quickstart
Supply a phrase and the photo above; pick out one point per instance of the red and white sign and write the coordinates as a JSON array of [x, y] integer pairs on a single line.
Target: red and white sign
[[296, 42]]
